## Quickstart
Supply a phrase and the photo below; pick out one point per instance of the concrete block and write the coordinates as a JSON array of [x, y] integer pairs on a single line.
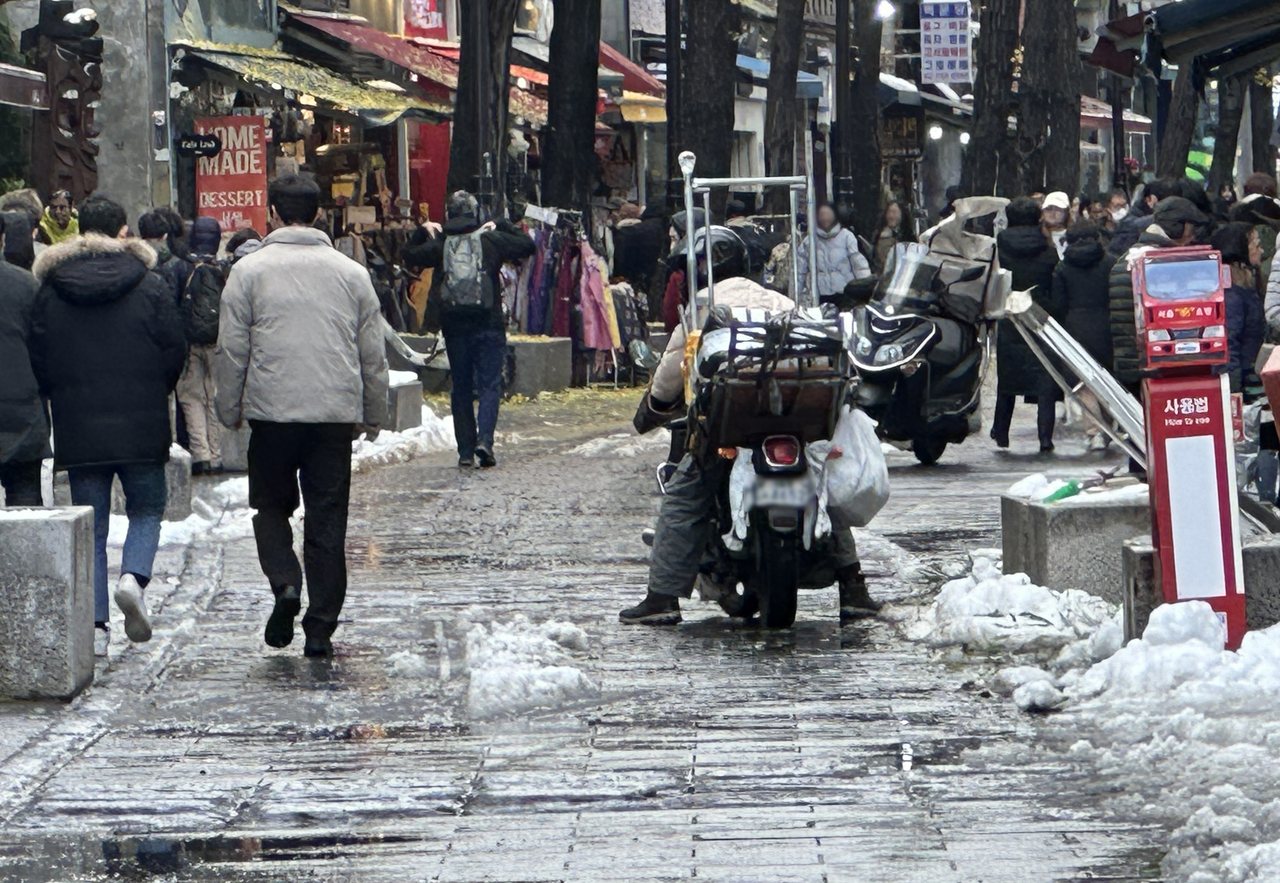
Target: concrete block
[[46, 602], [1261, 584], [404, 403], [1072, 545], [177, 474], [539, 365], [235, 448]]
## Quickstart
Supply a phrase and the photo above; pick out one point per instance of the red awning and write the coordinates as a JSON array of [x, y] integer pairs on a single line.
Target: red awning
[[396, 50], [634, 77]]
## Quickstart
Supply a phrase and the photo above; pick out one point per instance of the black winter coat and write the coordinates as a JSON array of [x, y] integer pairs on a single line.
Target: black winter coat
[[1026, 253], [107, 348], [1124, 325], [1246, 330], [637, 251], [1081, 297], [24, 427]]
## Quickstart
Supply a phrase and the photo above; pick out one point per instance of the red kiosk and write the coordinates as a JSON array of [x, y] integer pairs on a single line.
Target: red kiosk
[[1195, 524]]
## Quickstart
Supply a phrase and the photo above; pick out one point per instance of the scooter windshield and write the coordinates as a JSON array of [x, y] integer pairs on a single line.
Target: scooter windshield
[[908, 281]]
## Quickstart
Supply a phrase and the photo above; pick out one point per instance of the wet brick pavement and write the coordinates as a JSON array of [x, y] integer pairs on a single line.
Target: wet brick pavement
[[708, 752]]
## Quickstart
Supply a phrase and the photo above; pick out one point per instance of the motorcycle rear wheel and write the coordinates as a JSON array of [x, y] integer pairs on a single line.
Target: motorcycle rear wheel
[[778, 584], [929, 449]]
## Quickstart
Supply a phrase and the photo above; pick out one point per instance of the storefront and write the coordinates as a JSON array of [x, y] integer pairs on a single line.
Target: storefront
[[304, 118]]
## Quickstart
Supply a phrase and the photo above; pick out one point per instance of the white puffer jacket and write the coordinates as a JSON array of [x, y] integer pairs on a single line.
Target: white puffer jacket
[[839, 261]]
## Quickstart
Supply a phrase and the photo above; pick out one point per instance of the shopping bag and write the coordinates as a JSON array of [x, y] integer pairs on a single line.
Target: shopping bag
[[857, 481]]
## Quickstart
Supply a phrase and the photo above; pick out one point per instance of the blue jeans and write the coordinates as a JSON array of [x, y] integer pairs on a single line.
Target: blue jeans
[[475, 364], [145, 494]]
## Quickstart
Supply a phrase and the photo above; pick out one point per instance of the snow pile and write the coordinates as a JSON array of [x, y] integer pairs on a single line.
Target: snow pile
[[434, 435], [518, 666], [987, 611], [1189, 735], [223, 513], [623, 444]]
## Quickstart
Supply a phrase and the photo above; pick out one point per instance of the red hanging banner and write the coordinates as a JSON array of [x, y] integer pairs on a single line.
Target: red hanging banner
[[231, 186]]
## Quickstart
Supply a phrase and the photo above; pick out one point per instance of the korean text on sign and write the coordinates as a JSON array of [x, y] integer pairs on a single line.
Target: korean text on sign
[[945, 43]]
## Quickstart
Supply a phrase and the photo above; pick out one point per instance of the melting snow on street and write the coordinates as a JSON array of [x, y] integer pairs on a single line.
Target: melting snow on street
[[1188, 734], [518, 666]]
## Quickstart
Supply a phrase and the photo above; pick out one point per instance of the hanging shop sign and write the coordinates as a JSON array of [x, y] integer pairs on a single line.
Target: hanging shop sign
[[199, 145], [231, 185], [945, 43]]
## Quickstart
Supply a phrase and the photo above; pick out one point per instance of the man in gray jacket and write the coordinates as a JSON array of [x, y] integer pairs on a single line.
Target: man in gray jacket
[[300, 356]]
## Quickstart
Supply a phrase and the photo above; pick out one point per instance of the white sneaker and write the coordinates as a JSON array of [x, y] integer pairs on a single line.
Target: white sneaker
[[137, 621], [101, 640]]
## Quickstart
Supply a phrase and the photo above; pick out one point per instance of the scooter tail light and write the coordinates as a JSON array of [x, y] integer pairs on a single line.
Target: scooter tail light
[[782, 450]]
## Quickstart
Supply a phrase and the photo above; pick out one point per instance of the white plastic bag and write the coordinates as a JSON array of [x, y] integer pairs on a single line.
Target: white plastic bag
[[857, 482]]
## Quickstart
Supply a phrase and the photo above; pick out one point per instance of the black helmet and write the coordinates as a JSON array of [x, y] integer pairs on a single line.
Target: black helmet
[[729, 254]]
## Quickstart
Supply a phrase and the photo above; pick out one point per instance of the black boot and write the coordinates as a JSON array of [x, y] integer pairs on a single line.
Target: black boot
[[653, 610], [855, 601], [279, 631]]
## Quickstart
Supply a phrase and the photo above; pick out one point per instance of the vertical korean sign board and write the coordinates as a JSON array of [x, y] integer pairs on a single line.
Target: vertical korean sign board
[[231, 186], [945, 43], [1195, 517]]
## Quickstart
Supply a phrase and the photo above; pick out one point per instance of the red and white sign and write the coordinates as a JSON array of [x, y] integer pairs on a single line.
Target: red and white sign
[[1194, 512], [425, 18], [231, 187]]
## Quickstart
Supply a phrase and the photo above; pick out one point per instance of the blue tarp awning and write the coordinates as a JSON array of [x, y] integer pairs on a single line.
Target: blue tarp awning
[[808, 85]]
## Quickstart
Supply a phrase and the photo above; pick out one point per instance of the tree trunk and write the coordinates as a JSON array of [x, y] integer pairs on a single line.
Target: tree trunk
[[781, 111], [1232, 94], [568, 155], [993, 99], [480, 111], [1180, 127], [1262, 121], [862, 132], [842, 105], [709, 71], [675, 87], [1049, 99]]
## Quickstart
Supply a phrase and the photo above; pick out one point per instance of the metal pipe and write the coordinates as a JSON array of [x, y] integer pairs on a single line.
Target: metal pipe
[[691, 260], [811, 211], [795, 245], [738, 182], [711, 285]]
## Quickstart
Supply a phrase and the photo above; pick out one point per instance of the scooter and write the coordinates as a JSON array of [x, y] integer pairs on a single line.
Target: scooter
[[921, 369]]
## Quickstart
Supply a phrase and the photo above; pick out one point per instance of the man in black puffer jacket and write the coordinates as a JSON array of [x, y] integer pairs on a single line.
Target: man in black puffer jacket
[[24, 428], [107, 348]]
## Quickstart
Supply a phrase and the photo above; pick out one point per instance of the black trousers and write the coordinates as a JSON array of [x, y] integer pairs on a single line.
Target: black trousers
[[21, 483], [1046, 416], [316, 456]]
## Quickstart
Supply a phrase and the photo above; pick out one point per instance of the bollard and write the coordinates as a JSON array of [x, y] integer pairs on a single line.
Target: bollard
[[46, 602]]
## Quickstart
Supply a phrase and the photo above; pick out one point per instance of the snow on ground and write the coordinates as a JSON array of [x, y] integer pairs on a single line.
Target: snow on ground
[[1186, 734], [223, 513], [434, 435], [624, 444], [518, 666]]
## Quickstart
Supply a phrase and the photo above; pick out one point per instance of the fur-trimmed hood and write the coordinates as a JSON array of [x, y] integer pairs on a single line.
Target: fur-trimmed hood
[[94, 269]]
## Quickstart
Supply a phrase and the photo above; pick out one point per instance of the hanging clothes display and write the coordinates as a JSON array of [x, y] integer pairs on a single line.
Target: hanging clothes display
[[566, 284], [596, 334]]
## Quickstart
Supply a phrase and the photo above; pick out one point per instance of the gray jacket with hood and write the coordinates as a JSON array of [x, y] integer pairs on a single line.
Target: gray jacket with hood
[[300, 336]]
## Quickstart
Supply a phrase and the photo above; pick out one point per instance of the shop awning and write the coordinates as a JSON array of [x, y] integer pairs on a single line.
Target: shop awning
[[436, 63], [1221, 37], [808, 86], [277, 73], [634, 77], [1095, 114]]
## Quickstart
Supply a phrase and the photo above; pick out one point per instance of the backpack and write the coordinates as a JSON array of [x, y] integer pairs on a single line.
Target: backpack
[[466, 286], [201, 304]]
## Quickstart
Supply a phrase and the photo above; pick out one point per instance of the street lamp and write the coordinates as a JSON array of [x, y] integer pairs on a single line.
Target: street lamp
[[935, 133], [885, 10], [964, 137]]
